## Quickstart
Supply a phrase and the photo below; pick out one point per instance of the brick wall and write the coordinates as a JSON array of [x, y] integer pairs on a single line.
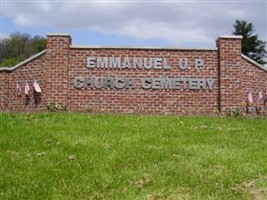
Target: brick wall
[[237, 76], [56, 68], [144, 101], [3, 90], [254, 79], [33, 70]]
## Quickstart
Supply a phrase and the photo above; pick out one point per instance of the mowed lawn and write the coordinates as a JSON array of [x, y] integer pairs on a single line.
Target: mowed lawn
[[88, 156]]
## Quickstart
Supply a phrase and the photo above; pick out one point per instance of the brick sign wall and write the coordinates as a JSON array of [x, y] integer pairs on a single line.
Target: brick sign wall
[[134, 80], [148, 95]]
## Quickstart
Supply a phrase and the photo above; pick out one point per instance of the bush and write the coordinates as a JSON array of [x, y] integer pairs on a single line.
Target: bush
[[52, 107], [235, 112]]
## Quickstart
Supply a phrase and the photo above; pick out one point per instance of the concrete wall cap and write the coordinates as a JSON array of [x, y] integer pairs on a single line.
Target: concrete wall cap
[[59, 34], [136, 47], [254, 62], [231, 37]]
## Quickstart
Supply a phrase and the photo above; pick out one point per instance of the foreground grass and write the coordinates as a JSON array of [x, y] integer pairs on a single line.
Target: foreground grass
[[78, 156]]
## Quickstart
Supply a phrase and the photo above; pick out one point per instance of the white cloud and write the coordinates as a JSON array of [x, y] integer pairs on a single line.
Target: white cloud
[[145, 30], [24, 19], [176, 22], [3, 36]]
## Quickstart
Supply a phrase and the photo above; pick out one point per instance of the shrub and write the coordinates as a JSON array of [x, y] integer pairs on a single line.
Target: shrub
[[235, 112], [52, 107]]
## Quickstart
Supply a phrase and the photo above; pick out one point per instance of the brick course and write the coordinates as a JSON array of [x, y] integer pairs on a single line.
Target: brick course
[[55, 69]]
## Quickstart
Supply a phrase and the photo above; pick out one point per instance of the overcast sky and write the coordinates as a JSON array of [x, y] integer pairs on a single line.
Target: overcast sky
[[134, 23]]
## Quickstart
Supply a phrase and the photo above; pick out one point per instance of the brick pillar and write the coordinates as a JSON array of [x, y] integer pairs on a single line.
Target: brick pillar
[[230, 77], [57, 64]]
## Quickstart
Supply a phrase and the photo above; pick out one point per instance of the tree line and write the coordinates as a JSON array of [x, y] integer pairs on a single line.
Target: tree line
[[18, 47]]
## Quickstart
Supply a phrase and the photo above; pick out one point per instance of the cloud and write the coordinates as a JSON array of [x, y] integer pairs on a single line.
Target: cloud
[[178, 23], [145, 30], [3, 36]]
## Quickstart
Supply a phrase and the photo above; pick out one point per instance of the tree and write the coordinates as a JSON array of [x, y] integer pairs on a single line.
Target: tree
[[251, 45], [18, 47]]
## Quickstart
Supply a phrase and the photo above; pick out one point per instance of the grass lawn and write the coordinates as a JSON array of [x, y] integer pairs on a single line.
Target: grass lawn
[[84, 156]]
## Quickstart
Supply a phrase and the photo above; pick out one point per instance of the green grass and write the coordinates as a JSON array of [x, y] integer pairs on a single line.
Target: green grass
[[79, 156]]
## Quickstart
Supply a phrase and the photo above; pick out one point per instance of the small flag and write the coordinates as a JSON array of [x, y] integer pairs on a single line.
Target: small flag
[[36, 86], [260, 95], [27, 88], [250, 99], [18, 89]]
